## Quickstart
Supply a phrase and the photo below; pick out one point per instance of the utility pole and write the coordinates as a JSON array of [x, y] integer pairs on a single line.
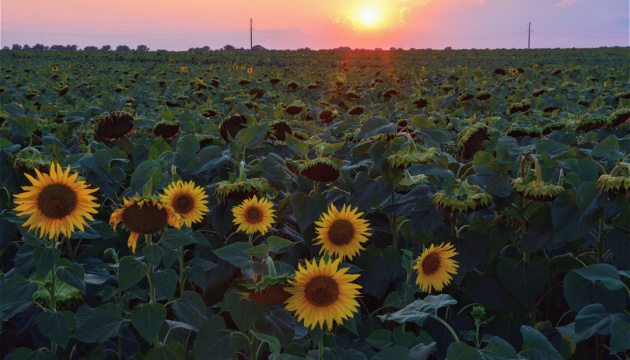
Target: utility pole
[[529, 34], [251, 36]]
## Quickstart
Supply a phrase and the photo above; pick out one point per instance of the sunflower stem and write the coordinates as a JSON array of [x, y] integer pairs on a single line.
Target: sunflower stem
[[51, 290], [394, 224], [454, 225], [147, 239], [252, 348], [181, 271], [321, 349], [448, 327], [600, 238]]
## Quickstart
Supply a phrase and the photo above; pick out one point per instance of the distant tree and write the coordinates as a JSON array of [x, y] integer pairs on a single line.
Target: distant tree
[[123, 48], [227, 47], [448, 48], [57, 47], [5, 48], [72, 47], [205, 48], [90, 48], [143, 48], [16, 47], [258, 48], [26, 47], [40, 47], [304, 49], [106, 48]]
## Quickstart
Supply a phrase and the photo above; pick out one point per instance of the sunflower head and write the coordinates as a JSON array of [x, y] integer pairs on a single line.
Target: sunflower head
[[114, 125], [590, 124], [241, 190], [342, 233], [232, 125], [322, 294], [56, 203], [187, 199], [551, 127], [532, 190], [295, 108], [279, 129], [464, 198], [166, 128], [435, 267], [145, 215], [254, 215], [357, 110], [471, 139], [409, 182], [618, 117], [321, 169], [483, 95], [413, 154], [615, 183]]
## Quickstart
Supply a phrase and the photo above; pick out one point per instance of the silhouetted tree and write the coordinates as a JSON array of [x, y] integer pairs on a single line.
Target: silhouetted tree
[[142, 48], [16, 47], [5, 48], [106, 48], [26, 47], [205, 48], [123, 48], [90, 48], [227, 47], [258, 48], [40, 47]]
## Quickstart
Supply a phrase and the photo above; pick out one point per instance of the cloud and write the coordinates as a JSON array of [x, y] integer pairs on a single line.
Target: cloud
[[565, 3]]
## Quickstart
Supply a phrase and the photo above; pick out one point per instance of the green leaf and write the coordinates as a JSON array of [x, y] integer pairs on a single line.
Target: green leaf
[[57, 326], [419, 310], [148, 319], [422, 351], [15, 296], [620, 336], [28, 354], [461, 351], [130, 272], [149, 169], [609, 149], [215, 342], [331, 148], [103, 323], [298, 146], [235, 254], [44, 259], [276, 244], [580, 292], [158, 147], [252, 136], [173, 238], [153, 253], [394, 352], [165, 282], [380, 339], [171, 351], [188, 146], [498, 349], [536, 346], [375, 126], [594, 319], [605, 274], [307, 209], [190, 309], [277, 323], [244, 312], [73, 275], [274, 344], [259, 251], [525, 280]]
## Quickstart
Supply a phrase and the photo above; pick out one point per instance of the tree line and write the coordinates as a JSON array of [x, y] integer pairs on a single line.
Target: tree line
[[120, 48]]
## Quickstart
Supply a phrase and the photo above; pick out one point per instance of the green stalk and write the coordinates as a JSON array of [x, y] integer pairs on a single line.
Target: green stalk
[[241, 172], [394, 224], [600, 238], [147, 239], [454, 225], [181, 271], [321, 349], [252, 348], [448, 327], [51, 290]]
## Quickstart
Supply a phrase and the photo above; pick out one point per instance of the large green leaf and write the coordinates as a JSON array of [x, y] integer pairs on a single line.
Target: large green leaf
[[28, 354], [244, 312], [252, 136], [58, 326], [594, 319], [375, 126], [307, 208], [44, 259], [165, 282], [190, 309], [604, 274], [170, 351], [536, 346], [15, 296], [419, 310], [147, 319], [620, 336], [103, 323], [461, 351], [277, 323], [215, 342], [72, 274], [581, 292], [130, 272], [274, 344], [380, 339], [235, 254], [525, 280]]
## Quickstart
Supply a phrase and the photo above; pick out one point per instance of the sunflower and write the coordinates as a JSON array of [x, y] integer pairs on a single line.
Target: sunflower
[[187, 199], [71, 67], [322, 293], [55, 68], [254, 215], [242, 66], [435, 266], [342, 232], [57, 202], [250, 70], [144, 215]]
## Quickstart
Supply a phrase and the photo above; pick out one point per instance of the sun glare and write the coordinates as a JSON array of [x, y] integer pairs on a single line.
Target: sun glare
[[369, 17]]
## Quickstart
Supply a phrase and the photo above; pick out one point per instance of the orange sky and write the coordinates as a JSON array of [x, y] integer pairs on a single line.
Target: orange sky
[[285, 24]]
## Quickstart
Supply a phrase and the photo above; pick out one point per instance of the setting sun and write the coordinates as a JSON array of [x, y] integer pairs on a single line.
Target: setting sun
[[369, 17]]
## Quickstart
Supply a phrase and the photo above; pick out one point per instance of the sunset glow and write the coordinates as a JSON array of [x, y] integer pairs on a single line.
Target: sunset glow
[[369, 17]]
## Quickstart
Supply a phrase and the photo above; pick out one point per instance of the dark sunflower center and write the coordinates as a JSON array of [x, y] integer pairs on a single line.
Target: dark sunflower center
[[431, 264], [57, 201], [321, 291], [341, 232], [146, 220], [253, 215], [183, 204]]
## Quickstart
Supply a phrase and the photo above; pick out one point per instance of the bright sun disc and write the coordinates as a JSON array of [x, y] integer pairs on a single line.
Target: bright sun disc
[[368, 17]]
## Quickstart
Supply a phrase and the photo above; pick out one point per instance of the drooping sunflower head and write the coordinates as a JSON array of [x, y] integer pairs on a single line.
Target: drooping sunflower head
[[321, 169], [342, 233], [323, 294], [187, 199], [56, 202], [254, 215], [435, 267], [114, 125], [166, 128], [144, 215]]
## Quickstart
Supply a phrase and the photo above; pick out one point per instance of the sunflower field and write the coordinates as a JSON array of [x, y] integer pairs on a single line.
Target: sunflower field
[[358, 205]]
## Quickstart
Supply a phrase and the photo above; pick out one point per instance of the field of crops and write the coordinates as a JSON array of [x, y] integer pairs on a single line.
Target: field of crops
[[322, 204]]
